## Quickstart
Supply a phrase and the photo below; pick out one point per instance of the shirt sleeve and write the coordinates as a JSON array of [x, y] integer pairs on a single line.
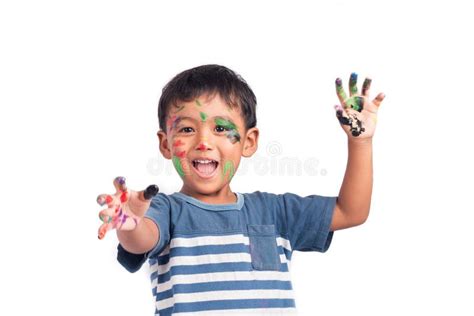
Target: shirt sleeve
[[308, 220], [159, 213]]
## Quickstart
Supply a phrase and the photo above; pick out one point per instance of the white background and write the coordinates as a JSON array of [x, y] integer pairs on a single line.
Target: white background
[[79, 87]]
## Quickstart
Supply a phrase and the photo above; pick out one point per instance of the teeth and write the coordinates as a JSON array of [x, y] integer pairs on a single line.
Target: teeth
[[204, 161]]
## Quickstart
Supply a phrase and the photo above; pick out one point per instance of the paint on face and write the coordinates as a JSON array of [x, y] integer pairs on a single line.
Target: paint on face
[[179, 108], [366, 86], [232, 132], [178, 143], [172, 122], [340, 90], [202, 147], [228, 167], [203, 116], [181, 154], [198, 103], [353, 84], [178, 166], [356, 103]]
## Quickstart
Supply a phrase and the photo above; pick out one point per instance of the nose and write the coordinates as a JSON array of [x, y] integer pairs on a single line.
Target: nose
[[205, 139], [203, 145]]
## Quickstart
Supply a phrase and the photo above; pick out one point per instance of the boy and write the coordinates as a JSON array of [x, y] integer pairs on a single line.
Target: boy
[[213, 251]]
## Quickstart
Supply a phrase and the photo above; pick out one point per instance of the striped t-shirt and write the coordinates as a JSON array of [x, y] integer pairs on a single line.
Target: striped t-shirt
[[214, 259]]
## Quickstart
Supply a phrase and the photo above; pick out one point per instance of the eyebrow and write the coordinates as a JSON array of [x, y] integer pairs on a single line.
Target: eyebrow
[[224, 117]]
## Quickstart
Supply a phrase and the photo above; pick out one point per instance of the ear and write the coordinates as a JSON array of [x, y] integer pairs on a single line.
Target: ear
[[164, 144], [250, 142]]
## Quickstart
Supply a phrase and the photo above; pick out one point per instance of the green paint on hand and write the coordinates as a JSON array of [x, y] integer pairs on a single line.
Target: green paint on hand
[[203, 116], [355, 103], [340, 91], [178, 166]]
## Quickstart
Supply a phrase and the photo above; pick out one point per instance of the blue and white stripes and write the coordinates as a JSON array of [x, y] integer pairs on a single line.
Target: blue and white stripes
[[212, 275]]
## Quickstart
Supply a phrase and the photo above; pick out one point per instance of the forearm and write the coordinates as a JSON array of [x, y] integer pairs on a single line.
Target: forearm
[[141, 239], [356, 189]]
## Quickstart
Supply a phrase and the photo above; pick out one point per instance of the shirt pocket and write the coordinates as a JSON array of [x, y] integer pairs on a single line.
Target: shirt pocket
[[263, 247]]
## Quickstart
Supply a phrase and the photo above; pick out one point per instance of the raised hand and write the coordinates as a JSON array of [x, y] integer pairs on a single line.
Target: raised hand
[[357, 114], [125, 208]]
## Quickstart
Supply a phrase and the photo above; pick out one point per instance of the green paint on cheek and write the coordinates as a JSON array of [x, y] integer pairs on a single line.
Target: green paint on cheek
[[178, 166], [203, 116], [228, 166], [198, 103]]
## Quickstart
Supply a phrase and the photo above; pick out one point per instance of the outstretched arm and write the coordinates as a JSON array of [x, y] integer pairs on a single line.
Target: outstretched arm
[[358, 117]]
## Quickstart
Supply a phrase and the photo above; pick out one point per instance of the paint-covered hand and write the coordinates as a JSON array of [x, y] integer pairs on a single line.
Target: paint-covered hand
[[125, 208], [357, 114]]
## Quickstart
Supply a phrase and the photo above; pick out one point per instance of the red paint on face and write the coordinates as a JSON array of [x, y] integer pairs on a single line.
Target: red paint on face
[[178, 143], [181, 154], [202, 147], [170, 121]]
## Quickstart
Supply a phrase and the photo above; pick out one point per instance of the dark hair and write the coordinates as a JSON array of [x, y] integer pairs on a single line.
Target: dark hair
[[211, 79]]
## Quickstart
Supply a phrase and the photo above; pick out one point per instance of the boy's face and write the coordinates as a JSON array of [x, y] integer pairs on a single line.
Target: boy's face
[[205, 139]]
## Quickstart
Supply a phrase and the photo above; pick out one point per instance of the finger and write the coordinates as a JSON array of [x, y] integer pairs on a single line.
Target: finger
[[124, 196], [120, 185], [342, 115], [366, 87], [103, 199], [353, 84], [378, 99], [341, 94], [103, 229], [149, 192], [355, 103], [107, 215]]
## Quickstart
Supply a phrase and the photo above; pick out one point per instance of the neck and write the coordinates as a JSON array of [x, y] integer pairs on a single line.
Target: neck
[[223, 196]]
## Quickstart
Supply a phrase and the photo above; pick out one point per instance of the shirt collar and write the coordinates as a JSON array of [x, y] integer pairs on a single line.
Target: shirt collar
[[212, 207]]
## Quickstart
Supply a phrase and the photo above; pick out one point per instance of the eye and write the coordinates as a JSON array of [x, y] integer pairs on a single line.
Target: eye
[[220, 129], [186, 130]]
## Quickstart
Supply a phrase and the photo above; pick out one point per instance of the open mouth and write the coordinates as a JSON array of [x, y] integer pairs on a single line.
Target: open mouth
[[206, 168]]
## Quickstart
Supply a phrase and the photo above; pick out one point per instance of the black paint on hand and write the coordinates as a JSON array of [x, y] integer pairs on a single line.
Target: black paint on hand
[[151, 191]]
